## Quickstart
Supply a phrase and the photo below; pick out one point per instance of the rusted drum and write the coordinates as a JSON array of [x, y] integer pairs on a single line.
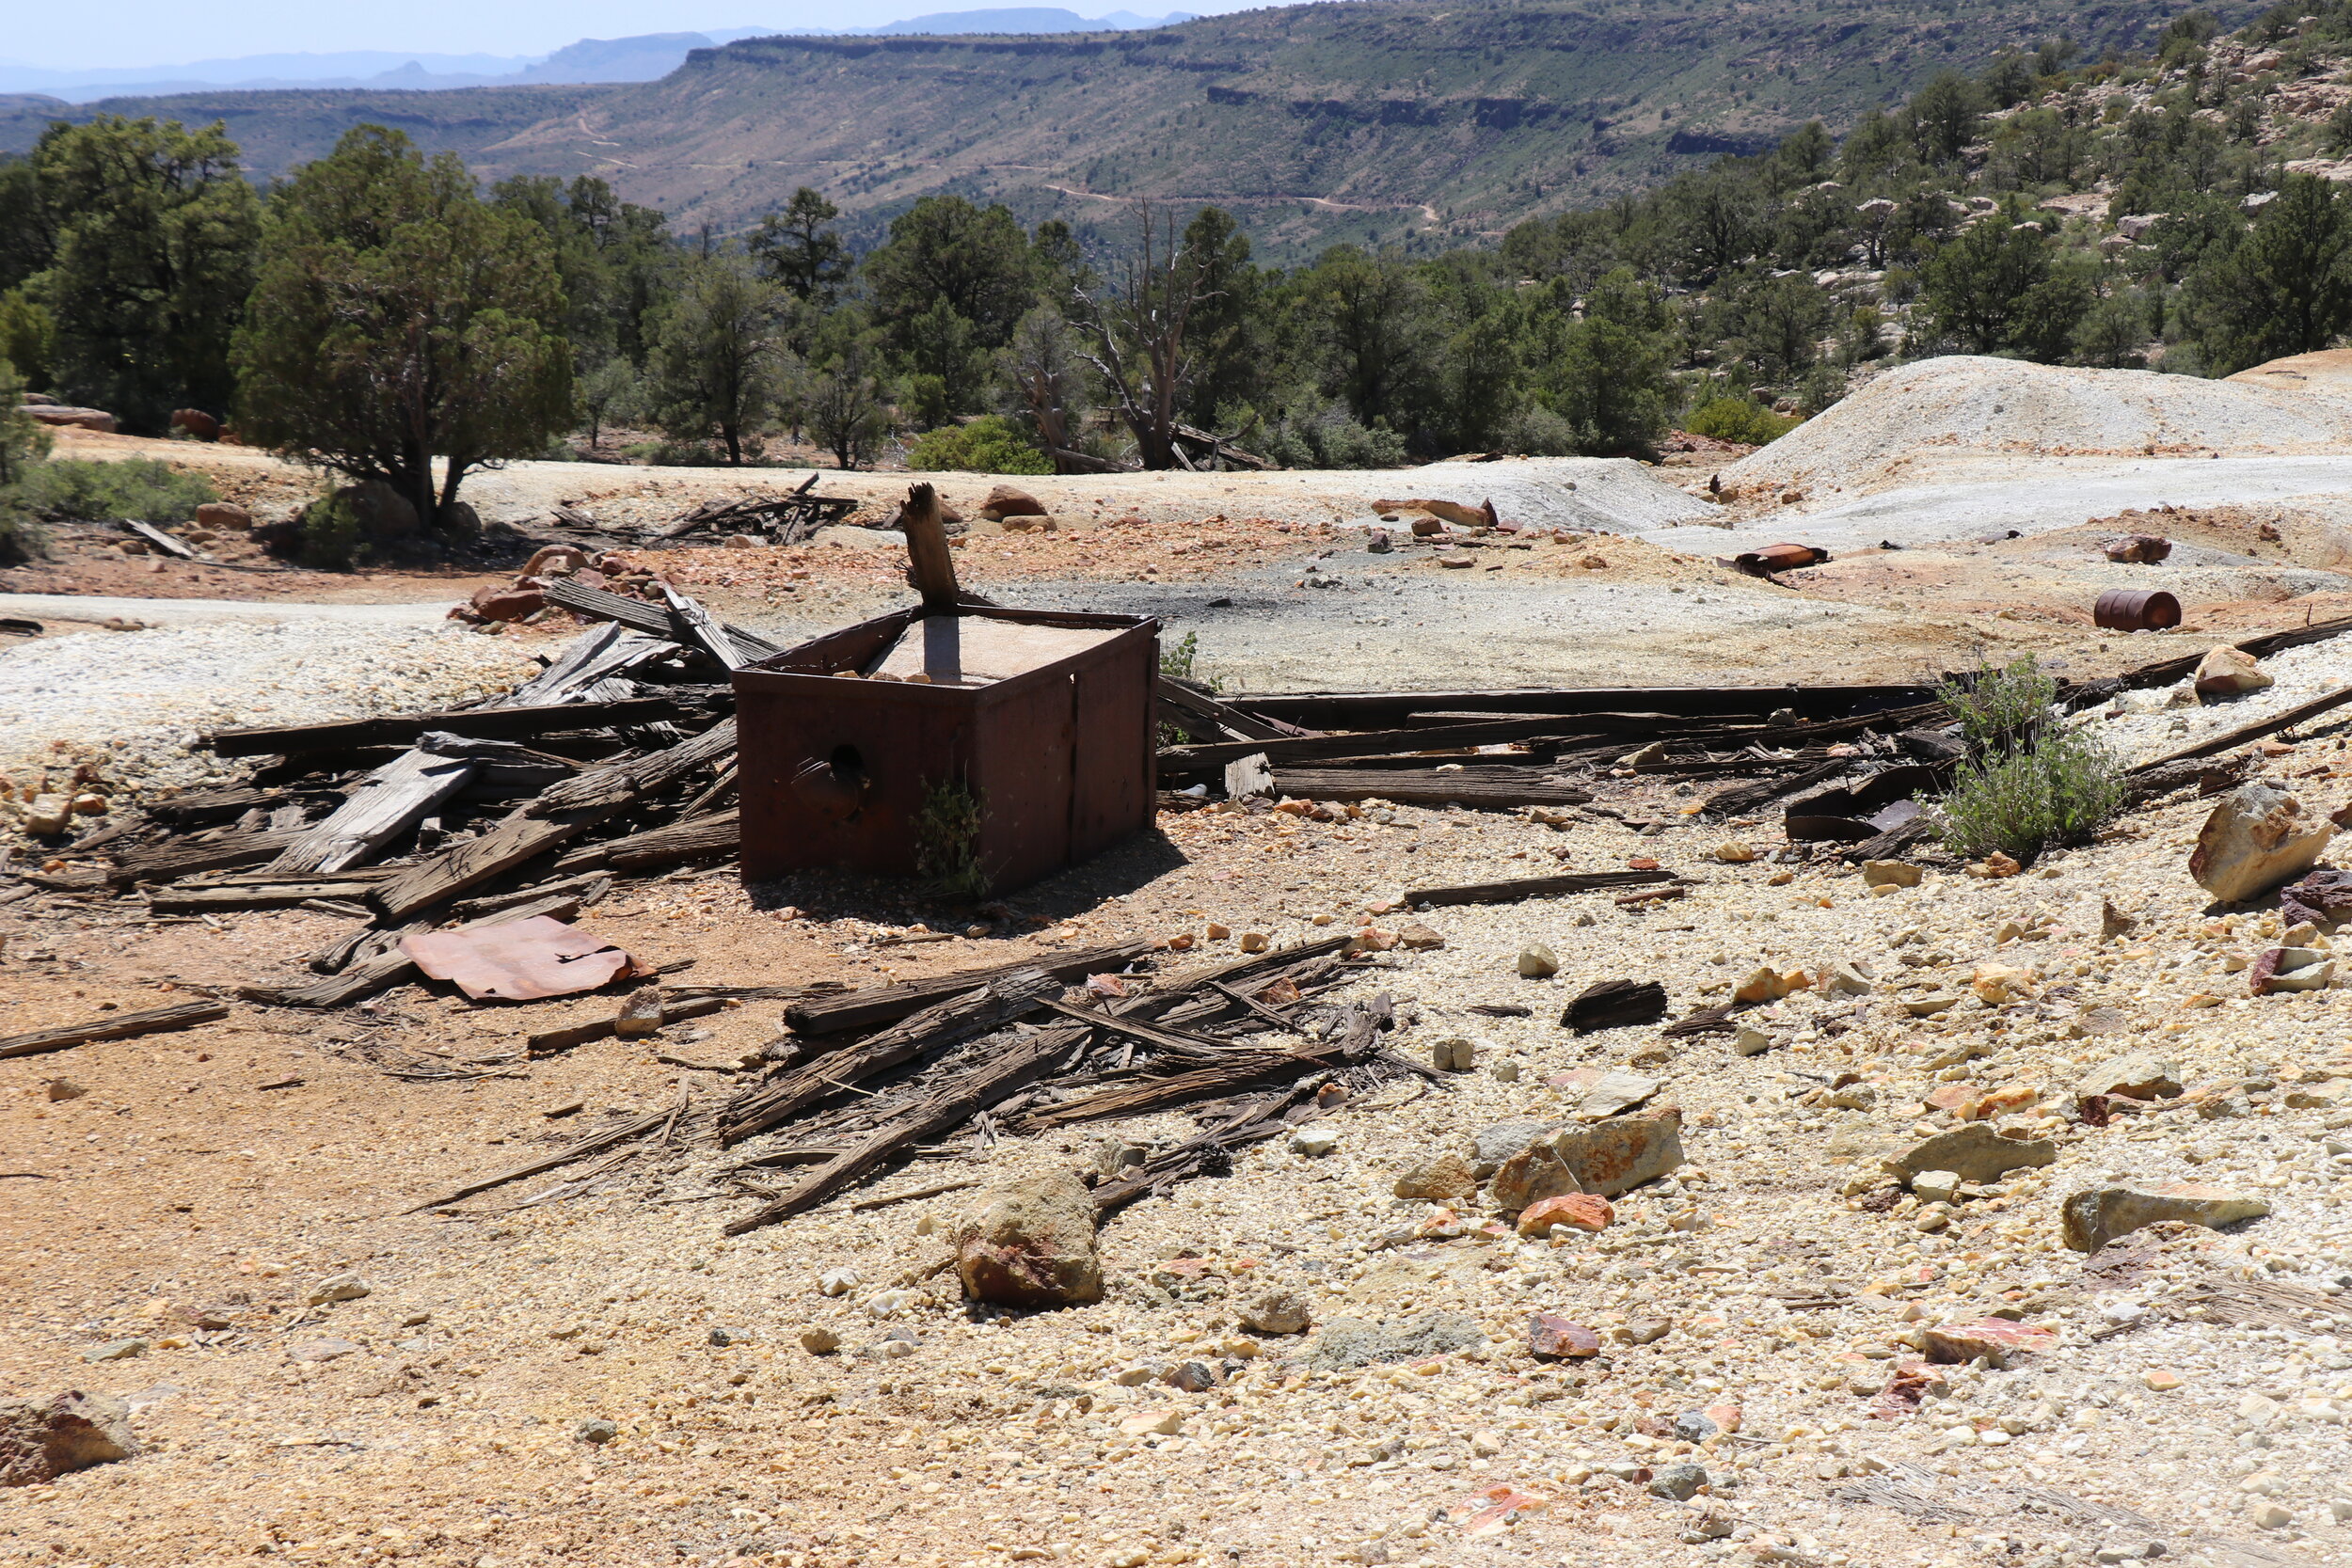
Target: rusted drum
[[1778, 558], [2136, 609]]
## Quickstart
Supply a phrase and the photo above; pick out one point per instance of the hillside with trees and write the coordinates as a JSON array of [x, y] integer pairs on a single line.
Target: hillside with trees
[[2179, 210], [1405, 122]]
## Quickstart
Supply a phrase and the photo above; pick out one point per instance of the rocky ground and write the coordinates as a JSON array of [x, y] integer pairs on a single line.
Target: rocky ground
[[1761, 1313], [1794, 1357]]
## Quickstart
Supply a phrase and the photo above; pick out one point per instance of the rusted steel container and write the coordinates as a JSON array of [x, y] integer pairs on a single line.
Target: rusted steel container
[[2136, 609], [1778, 558], [1045, 718]]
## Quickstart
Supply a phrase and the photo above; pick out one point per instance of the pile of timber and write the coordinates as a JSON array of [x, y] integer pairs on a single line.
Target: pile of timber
[[617, 760], [786, 519]]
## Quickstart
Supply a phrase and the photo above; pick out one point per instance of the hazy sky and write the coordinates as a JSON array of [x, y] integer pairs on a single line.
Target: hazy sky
[[160, 32]]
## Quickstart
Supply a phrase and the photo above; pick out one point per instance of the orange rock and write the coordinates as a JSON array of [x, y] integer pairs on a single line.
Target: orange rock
[[1584, 1210]]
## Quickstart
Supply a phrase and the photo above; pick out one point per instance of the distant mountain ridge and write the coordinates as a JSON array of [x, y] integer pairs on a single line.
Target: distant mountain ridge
[[1417, 122], [643, 58]]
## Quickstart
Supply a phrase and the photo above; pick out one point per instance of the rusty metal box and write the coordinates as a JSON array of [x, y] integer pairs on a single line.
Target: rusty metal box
[[1054, 740]]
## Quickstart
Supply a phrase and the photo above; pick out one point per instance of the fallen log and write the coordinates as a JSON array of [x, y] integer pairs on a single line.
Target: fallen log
[[64, 1037], [402, 729], [1535, 887], [1491, 788], [870, 1009], [950, 1022]]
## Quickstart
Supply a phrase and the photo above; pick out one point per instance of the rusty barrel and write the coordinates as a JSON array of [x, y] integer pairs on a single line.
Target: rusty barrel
[[2136, 609], [1778, 558]]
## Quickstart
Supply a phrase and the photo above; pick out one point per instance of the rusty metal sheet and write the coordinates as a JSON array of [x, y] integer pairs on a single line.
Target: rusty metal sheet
[[520, 960]]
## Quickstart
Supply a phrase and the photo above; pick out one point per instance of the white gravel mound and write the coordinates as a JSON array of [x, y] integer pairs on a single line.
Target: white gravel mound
[[1965, 406], [133, 704]]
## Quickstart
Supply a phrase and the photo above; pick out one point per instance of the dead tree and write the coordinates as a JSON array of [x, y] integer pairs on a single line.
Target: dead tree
[[1138, 323]]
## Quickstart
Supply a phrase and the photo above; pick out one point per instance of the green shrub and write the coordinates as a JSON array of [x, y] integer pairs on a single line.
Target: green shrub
[[991, 444], [1741, 419], [76, 490], [23, 443], [2028, 782], [333, 534], [946, 836]]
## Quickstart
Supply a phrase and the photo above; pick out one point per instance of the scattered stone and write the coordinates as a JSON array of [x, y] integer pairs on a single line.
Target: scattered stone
[[1936, 1186], [1440, 1179], [1733, 852], [2228, 672], [1765, 985], [1994, 1339], [819, 1341], [1031, 1244], [1352, 1342], [62, 1088], [223, 516], [1485, 1444], [2162, 1380], [44, 1439], [314, 1351], [2267, 1514], [721, 1336], [1277, 1311], [1890, 874], [1696, 1426], [2258, 837], [2285, 969], [2092, 1218], [1193, 1377], [1928, 1006], [2138, 1076], [1537, 962], [1849, 979], [1453, 1054], [641, 1015], [117, 1349], [1608, 1158], [1750, 1041], [1419, 937], [1996, 984], [1618, 1090], [1556, 1339], [836, 1282], [1505, 1070], [1975, 1153], [1580, 1210], [338, 1287], [1314, 1141], [2114, 923], [596, 1431], [48, 816], [1152, 1423], [1682, 1483], [1491, 1146]]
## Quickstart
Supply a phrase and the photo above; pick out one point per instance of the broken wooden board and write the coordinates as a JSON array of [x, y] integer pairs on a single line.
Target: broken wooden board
[[637, 614], [382, 806], [123, 1026], [405, 729], [252, 896], [178, 857], [1491, 789], [573, 1034], [1534, 887], [514, 840], [850, 1011]]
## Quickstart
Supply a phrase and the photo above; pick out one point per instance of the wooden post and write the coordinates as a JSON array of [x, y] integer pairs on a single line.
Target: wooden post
[[930, 566]]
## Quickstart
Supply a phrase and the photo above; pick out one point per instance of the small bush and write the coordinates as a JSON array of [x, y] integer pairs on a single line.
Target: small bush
[[1330, 438], [947, 835], [2029, 782], [991, 444], [75, 490], [333, 534], [1741, 419]]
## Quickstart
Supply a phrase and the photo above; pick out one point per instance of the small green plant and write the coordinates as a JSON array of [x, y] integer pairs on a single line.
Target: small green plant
[[24, 445], [76, 490], [1741, 419], [946, 842], [333, 534], [991, 444], [2028, 782], [1999, 711], [1176, 657]]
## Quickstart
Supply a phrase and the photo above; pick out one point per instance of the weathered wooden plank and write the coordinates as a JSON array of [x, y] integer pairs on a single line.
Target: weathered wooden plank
[[596, 655], [872, 1009], [253, 895], [1157, 1094], [711, 837], [1747, 797], [398, 729], [163, 541], [951, 1023], [580, 1034], [515, 840], [1534, 887], [179, 858], [123, 1026], [618, 783], [1493, 789], [382, 806], [698, 627], [640, 617], [2227, 739], [1373, 743]]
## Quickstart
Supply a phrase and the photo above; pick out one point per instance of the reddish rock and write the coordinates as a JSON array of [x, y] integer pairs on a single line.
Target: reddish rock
[[223, 516], [507, 604], [1556, 1339], [1997, 1339], [1584, 1210], [556, 561], [1031, 1244], [1005, 500], [197, 423]]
